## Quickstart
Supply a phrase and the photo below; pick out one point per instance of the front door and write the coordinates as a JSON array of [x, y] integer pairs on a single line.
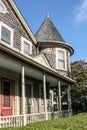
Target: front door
[[7, 98]]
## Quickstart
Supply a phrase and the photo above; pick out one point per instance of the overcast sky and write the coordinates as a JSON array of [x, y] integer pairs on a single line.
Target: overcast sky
[[69, 17]]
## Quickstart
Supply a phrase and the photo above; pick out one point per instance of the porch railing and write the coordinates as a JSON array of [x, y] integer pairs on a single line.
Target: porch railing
[[12, 121]]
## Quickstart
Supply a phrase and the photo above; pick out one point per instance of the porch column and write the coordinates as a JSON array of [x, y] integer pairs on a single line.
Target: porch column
[[45, 100], [69, 97], [23, 94], [59, 88]]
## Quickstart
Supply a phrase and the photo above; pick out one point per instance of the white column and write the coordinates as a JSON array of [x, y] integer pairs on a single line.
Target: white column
[[69, 97], [45, 100], [23, 94], [59, 88]]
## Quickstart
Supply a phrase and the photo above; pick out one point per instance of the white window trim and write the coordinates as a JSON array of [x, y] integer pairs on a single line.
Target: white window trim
[[59, 49], [11, 30], [22, 46], [30, 83], [42, 105]]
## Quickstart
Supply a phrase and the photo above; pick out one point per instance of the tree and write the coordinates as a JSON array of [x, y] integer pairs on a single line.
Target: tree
[[78, 92]]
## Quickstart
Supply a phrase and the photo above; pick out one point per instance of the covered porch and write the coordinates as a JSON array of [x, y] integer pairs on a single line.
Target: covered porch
[[30, 93]]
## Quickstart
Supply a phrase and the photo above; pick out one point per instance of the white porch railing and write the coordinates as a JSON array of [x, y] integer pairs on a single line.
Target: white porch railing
[[12, 121]]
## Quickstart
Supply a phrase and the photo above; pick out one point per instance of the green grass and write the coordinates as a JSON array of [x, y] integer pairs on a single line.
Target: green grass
[[76, 122]]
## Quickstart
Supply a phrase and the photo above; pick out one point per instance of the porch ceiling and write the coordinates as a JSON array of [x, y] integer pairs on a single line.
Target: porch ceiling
[[31, 72]]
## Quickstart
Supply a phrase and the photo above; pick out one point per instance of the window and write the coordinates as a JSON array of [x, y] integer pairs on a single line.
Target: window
[[61, 59], [26, 46], [6, 34], [2, 7], [41, 94], [28, 93], [6, 94]]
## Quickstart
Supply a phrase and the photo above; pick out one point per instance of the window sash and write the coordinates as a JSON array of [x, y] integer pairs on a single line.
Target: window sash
[[26, 48], [61, 64], [5, 35]]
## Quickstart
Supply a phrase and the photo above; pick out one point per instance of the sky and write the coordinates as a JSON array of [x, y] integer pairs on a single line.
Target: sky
[[68, 16]]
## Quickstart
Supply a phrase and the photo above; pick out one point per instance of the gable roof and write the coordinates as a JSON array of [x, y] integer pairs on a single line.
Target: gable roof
[[18, 13], [42, 59], [48, 31]]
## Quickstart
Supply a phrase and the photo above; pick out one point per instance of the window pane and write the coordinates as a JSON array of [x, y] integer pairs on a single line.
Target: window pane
[[28, 94], [6, 94], [61, 55], [6, 35], [61, 64], [26, 48]]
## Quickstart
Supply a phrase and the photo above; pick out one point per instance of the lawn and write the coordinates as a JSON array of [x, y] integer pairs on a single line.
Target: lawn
[[76, 122]]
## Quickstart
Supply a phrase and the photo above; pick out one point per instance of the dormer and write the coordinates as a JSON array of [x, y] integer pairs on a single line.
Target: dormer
[[53, 45]]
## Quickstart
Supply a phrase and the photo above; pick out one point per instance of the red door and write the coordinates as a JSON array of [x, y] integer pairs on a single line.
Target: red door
[[7, 98]]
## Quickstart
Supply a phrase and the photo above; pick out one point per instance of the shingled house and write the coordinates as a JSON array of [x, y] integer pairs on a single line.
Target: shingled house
[[34, 70]]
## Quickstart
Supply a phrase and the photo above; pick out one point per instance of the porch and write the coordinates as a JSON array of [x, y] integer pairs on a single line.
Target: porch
[[29, 93]]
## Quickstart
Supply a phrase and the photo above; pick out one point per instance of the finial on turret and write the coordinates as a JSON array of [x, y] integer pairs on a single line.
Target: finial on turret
[[47, 14]]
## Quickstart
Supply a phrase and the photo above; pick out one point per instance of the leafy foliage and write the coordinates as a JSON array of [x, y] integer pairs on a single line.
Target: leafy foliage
[[76, 122], [79, 74]]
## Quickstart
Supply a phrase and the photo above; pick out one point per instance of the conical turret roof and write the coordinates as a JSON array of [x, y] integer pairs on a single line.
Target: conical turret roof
[[48, 32]]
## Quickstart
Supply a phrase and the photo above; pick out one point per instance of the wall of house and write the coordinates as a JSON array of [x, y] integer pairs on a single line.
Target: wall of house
[[13, 21], [52, 56]]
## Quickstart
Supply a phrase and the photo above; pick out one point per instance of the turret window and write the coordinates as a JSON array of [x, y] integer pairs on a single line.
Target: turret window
[[61, 56]]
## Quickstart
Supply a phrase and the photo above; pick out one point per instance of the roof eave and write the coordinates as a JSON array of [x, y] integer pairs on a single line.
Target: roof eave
[[57, 43]]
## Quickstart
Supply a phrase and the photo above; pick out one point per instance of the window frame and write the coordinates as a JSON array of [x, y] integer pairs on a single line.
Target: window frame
[[11, 34], [57, 58], [29, 83], [22, 47], [4, 7]]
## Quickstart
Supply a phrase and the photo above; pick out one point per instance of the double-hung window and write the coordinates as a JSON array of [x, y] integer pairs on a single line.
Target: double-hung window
[[6, 34], [61, 56], [26, 47]]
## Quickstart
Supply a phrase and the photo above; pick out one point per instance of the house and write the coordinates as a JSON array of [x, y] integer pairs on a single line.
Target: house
[[35, 70]]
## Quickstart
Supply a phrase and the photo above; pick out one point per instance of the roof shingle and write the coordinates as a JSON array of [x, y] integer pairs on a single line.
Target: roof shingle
[[48, 32]]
